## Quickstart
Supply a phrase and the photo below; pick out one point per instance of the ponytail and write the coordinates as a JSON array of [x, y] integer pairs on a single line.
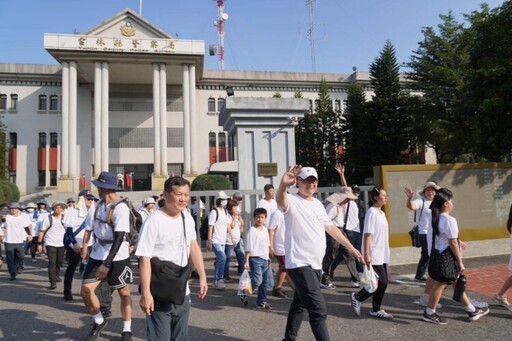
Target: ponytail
[[443, 195]]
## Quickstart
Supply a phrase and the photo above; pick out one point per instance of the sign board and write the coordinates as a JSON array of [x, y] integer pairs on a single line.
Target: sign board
[[267, 169]]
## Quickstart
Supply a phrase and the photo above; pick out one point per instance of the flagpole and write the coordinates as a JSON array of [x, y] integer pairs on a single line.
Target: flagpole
[[140, 8]]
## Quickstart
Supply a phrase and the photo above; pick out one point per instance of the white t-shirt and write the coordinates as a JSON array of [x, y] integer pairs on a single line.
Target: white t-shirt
[[55, 233], [423, 220], [162, 236], [376, 224], [220, 228], [33, 221], [195, 207], [276, 223], [74, 220], [448, 229], [258, 244], [103, 231], [235, 231], [305, 232], [15, 228], [270, 206]]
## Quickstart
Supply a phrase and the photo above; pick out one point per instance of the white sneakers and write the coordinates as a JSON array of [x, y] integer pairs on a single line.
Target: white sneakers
[[219, 285]]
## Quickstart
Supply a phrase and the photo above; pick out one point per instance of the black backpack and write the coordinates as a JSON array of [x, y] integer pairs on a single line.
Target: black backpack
[[203, 230], [135, 219]]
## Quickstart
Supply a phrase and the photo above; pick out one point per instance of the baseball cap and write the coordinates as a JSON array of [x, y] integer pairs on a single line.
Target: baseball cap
[[306, 172]]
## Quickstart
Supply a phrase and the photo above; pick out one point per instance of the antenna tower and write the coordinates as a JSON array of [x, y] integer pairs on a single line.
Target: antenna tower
[[311, 33], [219, 23]]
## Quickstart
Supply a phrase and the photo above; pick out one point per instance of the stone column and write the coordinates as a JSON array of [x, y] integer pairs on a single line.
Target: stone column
[[193, 122], [65, 119], [156, 120], [186, 120], [104, 116], [72, 150], [97, 119], [163, 120]]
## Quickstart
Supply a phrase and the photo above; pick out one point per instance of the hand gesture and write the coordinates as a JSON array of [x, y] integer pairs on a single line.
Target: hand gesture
[[409, 193], [291, 175], [340, 168]]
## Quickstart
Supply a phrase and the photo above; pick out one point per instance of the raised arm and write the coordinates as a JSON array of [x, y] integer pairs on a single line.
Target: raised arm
[[341, 171], [287, 180], [409, 193]]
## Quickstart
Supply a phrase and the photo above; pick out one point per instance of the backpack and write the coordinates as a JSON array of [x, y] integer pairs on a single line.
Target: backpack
[[135, 220], [50, 224], [203, 230]]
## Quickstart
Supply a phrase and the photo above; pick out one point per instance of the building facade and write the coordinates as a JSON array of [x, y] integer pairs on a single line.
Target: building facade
[[126, 97]]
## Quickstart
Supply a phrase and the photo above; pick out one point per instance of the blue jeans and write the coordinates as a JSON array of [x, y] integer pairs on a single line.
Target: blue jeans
[[259, 269], [169, 321], [228, 250], [220, 254], [307, 295], [14, 253], [240, 256]]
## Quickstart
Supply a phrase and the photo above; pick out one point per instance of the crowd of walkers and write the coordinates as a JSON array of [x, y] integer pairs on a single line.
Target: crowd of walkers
[[307, 238]]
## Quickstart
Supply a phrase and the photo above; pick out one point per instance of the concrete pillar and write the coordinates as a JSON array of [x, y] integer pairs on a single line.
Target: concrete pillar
[[186, 120], [72, 150], [163, 120], [156, 120], [193, 122], [65, 119], [104, 116], [97, 119]]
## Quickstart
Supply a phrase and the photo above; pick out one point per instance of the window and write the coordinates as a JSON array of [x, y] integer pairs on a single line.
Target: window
[[53, 140], [42, 102], [220, 103], [13, 140], [337, 105], [41, 176], [212, 147], [211, 104], [3, 102], [54, 102], [222, 147], [42, 140], [53, 178], [14, 102]]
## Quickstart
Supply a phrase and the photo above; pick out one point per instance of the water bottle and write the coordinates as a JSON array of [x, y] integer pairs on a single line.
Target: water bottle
[[460, 288]]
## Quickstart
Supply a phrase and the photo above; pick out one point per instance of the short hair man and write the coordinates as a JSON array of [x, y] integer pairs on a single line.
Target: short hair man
[[163, 236], [16, 229], [306, 223], [268, 202], [110, 257]]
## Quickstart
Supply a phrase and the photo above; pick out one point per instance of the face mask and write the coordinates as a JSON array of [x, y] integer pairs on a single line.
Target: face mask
[[30, 210], [224, 203]]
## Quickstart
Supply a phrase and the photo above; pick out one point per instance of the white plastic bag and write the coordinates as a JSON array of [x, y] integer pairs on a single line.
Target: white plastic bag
[[244, 285], [369, 280]]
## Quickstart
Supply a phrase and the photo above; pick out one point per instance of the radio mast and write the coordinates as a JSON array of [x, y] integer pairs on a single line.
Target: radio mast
[[311, 33], [219, 23]]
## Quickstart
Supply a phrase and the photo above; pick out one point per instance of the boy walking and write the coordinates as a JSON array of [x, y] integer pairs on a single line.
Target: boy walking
[[257, 257]]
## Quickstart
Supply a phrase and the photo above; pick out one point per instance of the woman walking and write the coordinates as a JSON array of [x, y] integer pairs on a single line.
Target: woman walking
[[501, 296]]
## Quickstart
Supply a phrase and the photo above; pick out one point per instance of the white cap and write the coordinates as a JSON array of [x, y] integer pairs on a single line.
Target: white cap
[[306, 172], [148, 200]]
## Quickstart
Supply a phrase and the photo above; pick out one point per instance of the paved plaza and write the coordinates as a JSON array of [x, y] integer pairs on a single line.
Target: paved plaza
[[29, 311]]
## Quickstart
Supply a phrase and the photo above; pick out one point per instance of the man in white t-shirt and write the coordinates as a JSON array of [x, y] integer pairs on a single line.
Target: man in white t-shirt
[[110, 256], [268, 202], [170, 235], [217, 234], [306, 223], [52, 235], [16, 229]]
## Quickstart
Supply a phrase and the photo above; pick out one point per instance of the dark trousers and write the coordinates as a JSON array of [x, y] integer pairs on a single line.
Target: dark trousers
[[378, 295], [331, 250], [14, 253], [55, 260], [307, 295], [423, 262], [33, 247], [73, 261], [169, 321], [344, 256]]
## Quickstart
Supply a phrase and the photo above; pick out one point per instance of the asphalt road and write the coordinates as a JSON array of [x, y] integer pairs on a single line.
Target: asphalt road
[[29, 311]]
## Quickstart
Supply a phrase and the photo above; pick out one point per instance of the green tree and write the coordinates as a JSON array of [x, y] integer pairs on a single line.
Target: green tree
[[438, 69], [388, 117], [489, 88], [357, 137], [318, 137], [210, 182]]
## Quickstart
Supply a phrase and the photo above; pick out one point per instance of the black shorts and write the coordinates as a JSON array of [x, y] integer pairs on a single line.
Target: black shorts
[[119, 276]]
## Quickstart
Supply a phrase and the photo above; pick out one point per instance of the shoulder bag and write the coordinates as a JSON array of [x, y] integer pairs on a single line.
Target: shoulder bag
[[442, 266], [415, 231], [169, 280]]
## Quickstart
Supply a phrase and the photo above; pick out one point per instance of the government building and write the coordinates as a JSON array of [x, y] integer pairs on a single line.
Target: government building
[[128, 98]]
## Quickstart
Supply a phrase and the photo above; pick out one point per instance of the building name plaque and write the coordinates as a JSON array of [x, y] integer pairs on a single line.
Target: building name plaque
[[267, 169]]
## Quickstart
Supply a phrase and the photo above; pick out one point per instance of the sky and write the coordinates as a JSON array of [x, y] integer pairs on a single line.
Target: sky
[[260, 35]]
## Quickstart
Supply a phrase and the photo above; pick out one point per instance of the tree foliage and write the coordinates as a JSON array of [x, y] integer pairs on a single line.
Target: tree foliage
[[318, 138], [210, 182]]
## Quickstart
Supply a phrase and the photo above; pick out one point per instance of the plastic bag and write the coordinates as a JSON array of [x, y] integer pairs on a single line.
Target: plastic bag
[[369, 280], [244, 285]]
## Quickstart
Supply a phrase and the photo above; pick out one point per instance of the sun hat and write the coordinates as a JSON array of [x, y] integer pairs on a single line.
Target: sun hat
[[306, 172], [222, 195], [106, 180], [346, 193], [334, 198], [31, 205], [238, 196], [70, 200], [149, 200], [15, 205], [429, 184], [59, 203]]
